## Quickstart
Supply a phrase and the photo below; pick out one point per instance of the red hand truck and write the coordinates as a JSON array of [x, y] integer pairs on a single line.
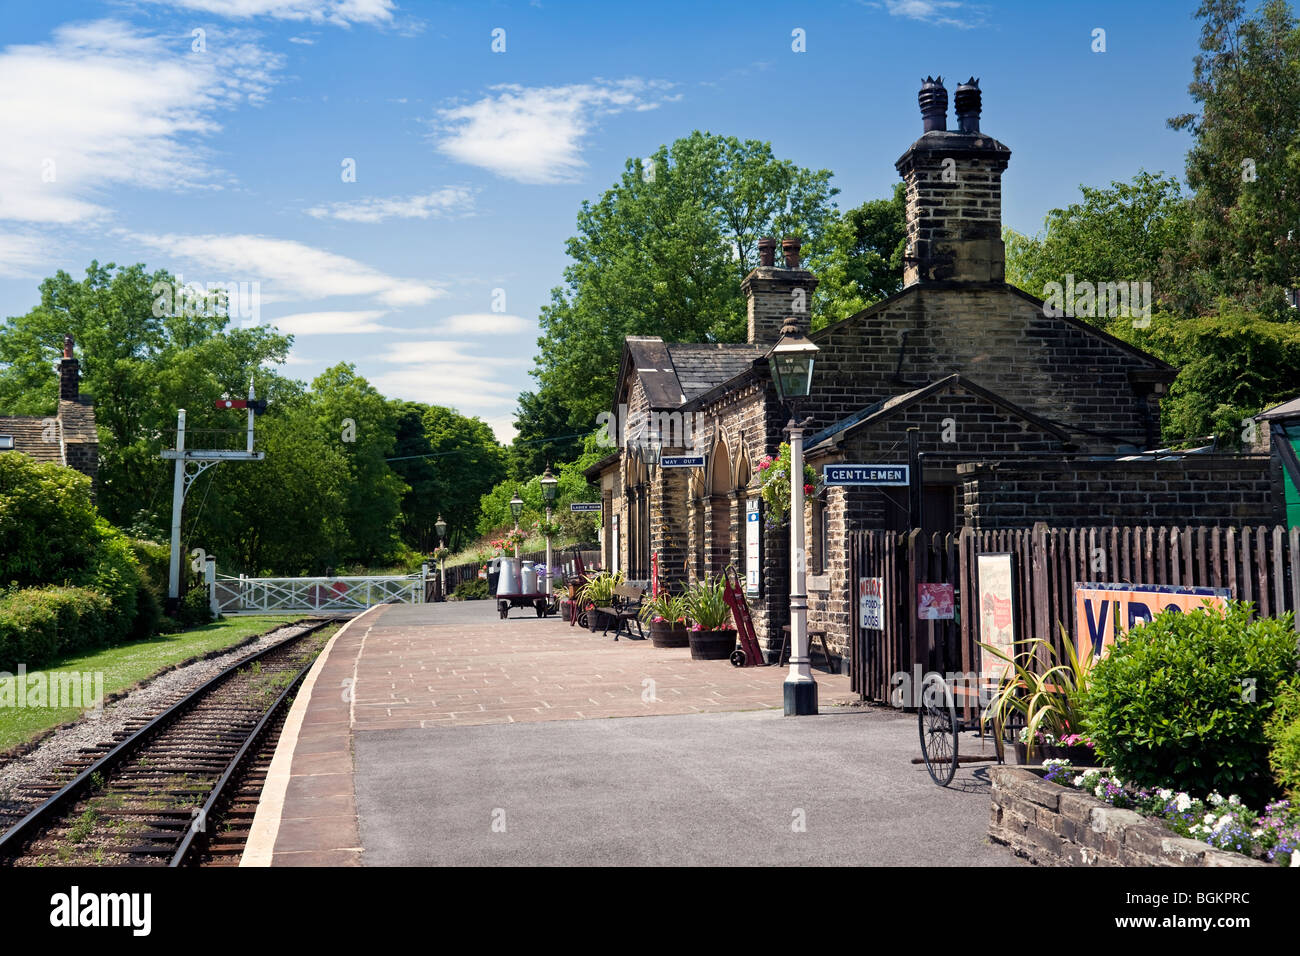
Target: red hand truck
[[748, 654]]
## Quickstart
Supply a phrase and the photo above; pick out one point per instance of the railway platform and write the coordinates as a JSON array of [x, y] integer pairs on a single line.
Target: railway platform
[[433, 734]]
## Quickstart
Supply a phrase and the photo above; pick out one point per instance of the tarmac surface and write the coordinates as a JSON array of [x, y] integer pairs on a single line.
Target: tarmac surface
[[442, 735]]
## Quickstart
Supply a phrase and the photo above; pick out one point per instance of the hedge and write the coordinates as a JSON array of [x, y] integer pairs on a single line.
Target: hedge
[[38, 625]]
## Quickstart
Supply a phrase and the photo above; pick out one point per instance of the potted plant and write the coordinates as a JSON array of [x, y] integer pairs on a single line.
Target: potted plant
[[666, 615], [598, 593], [1047, 702], [774, 484], [710, 636]]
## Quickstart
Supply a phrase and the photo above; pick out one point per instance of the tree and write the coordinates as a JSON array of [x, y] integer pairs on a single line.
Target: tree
[[862, 261], [1244, 164], [663, 252], [542, 434], [466, 461], [1118, 234], [140, 363]]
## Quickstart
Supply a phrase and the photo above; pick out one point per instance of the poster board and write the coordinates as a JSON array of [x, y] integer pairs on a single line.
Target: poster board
[[753, 547], [934, 601], [871, 603], [1104, 610], [996, 574]]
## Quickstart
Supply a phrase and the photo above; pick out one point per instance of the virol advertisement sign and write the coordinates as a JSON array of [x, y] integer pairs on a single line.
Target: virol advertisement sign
[[1102, 610]]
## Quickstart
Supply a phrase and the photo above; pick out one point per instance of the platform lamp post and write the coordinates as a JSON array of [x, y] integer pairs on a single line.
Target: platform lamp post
[[654, 449], [440, 526], [516, 509], [792, 361], [550, 484]]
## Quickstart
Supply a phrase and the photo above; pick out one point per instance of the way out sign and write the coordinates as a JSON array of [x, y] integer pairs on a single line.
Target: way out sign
[[871, 603], [1103, 610]]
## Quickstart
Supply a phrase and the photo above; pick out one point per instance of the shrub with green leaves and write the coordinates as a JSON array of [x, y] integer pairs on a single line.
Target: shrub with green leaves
[[1283, 734], [38, 625], [47, 521], [475, 589], [1182, 701]]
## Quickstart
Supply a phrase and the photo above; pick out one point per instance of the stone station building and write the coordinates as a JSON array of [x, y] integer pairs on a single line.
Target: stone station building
[[1019, 413]]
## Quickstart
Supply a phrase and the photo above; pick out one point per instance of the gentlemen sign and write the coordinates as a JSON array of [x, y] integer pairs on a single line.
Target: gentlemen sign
[[879, 475], [682, 461], [584, 506]]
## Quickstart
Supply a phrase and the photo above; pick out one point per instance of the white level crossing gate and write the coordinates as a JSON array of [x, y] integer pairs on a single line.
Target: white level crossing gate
[[243, 595]]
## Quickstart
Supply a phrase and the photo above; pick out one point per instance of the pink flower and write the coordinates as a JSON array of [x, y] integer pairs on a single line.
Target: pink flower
[[807, 489]]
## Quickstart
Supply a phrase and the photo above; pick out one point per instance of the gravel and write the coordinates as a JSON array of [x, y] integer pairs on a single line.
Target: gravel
[[145, 701]]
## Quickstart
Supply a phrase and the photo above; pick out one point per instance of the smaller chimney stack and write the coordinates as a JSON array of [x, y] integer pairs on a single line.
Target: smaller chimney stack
[[934, 104], [790, 249], [69, 373], [967, 100], [767, 251]]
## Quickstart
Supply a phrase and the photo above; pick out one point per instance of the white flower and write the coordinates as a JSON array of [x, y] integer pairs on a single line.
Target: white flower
[[1098, 790], [1209, 819], [1078, 781], [1235, 800], [1257, 832], [1164, 794], [1215, 798], [1182, 802], [1295, 858]]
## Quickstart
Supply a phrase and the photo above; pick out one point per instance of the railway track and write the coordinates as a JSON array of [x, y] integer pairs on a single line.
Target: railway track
[[176, 789]]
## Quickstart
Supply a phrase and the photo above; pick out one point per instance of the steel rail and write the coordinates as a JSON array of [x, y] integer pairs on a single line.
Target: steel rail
[[16, 838]]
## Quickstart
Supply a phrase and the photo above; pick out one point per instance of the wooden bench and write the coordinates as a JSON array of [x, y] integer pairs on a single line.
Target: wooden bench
[[625, 609], [783, 658]]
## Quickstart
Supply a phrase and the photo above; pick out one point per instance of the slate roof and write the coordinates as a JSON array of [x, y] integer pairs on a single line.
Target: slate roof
[[675, 374], [705, 365], [1286, 410], [895, 403], [27, 433]]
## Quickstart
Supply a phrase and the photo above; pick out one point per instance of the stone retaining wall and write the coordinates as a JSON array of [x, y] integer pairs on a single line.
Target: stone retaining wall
[[1053, 825]]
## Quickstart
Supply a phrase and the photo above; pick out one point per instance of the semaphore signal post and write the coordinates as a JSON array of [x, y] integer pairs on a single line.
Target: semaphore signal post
[[185, 476]]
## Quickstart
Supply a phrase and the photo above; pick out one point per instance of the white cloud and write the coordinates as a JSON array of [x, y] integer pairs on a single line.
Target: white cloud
[[331, 323], [23, 255], [339, 12], [940, 12], [305, 41], [290, 269], [440, 203], [103, 105], [536, 134], [448, 372], [486, 323]]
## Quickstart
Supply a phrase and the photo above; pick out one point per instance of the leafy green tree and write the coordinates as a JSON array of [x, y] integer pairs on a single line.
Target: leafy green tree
[[663, 252], [47, 521], [1244, 164], [862, 258], [1116, 234], [542, 434], [139, 367], [466, 462]]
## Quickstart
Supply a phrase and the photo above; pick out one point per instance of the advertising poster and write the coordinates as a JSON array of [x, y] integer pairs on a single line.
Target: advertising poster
[[753, 548], [871, 603], [1103, 610], [997, 610], [934, 602]]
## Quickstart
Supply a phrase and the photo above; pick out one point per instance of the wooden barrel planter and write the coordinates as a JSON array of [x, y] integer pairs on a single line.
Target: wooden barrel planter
[[711, 645], [664, 634], [600, 621]]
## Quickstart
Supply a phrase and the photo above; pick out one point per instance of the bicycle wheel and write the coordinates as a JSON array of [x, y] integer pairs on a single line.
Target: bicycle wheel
[[937, 720]]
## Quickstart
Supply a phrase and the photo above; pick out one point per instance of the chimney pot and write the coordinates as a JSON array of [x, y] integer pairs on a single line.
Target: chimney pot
[[790, 249], [967, 100], [767, 251], [933, 99]]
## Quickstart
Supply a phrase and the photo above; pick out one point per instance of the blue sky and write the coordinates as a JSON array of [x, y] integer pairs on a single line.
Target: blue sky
[[220, 155]]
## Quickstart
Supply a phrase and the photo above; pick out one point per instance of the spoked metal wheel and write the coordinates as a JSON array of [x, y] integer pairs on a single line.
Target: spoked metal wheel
[[937, 719]]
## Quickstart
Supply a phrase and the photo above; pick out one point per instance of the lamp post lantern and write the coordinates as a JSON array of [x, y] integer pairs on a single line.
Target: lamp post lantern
[[550, 484], [792, 365], [440, 526]]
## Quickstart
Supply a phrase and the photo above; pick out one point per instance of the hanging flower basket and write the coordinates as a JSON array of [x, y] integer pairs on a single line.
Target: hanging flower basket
[[774, 484], [441, 554]]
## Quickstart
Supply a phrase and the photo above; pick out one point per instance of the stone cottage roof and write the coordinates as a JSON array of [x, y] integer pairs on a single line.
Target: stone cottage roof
[[1284, 411]]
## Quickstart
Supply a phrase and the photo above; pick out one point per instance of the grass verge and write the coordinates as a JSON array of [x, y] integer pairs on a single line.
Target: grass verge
[[123, 667]]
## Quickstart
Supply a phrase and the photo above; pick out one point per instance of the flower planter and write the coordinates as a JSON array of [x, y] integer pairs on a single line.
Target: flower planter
[[599, 621], [1079, 756], [663, 634], [711, 645]]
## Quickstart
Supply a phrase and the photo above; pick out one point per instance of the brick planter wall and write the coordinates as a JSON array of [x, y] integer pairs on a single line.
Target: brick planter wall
[[1056, 826]]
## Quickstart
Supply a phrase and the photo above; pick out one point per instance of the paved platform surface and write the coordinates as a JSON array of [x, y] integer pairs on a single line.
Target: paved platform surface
[[420, 723]]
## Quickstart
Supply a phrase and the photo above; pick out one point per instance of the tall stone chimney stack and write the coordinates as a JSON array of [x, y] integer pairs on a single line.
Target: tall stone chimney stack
[[954, 192], [775, 292], [69, 373]]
